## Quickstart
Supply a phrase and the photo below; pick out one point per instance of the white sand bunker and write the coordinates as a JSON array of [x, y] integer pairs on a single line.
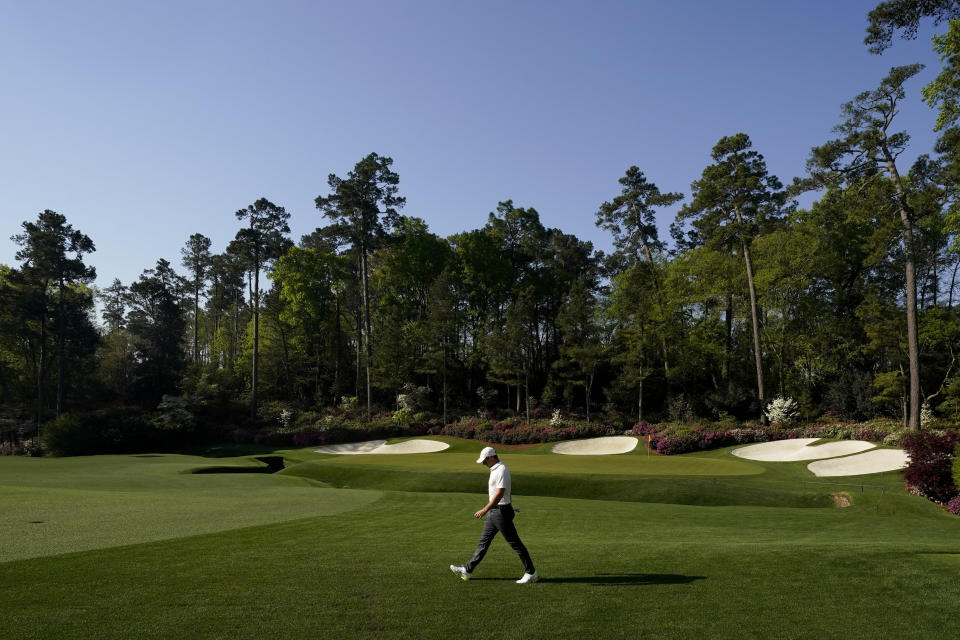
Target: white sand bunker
[[800, 449], [605, 446], [381, 446], [869, 462]]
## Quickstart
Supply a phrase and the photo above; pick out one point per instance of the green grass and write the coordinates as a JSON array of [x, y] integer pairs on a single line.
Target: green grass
[[134, 547]]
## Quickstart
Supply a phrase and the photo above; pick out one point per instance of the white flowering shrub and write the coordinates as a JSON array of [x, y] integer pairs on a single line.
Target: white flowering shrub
[[781, 410], [32, 448], [556, 420], [926, 416], [174, 414], [413, 397]]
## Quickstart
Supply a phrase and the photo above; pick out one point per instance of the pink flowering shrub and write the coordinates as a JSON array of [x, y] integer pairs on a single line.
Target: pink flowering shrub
[[954, 506], [515, 431], [674, 438]]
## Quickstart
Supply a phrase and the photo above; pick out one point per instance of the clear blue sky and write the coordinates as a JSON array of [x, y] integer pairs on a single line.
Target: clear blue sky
[[144, 122]]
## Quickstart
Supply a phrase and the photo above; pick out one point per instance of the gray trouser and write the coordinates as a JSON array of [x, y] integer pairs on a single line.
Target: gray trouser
[[500, 519]]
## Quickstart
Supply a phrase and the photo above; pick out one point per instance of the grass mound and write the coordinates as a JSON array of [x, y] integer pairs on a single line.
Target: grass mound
[[689, 491]]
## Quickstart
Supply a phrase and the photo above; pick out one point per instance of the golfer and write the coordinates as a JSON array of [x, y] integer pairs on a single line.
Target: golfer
[[499, 517]]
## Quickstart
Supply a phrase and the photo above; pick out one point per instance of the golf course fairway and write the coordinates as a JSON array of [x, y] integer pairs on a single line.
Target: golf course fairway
[[708, 546]]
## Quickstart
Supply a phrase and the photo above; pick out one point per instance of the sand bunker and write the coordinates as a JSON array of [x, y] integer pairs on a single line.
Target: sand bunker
[[860, 464], [381, 446], [800, 449], [605, 446]]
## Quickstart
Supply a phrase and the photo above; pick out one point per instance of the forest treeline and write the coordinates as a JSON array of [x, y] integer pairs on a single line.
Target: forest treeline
[[848, 306]]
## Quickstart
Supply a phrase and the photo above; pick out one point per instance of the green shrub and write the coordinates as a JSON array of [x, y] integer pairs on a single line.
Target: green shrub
[[276, 412], [402, 417], [893, 439], [177, 425], [111, 431], [413, 397], [306, 420], [175, 413]]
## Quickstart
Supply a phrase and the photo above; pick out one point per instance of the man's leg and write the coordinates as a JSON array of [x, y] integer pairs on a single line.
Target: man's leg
[[510, 534], [490, 527]]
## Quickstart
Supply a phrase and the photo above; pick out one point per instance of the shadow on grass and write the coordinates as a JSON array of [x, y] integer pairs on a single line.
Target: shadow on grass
[[613, 579], [626, 579], [273, 465]]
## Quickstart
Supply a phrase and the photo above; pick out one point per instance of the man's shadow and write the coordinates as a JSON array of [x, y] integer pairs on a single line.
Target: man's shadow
[[626, 579], [617, 579]]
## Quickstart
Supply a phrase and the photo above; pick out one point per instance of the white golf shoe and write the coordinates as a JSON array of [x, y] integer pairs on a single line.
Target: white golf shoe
[[460, 571], [529, 577]]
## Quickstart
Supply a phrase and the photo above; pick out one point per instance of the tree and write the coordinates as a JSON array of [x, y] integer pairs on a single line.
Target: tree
[[406, 268], [196, 259], [733, 202], [582, 346], [114, 305], [904, 15], [306, 279], [261, 242], [365, 205], [116, 358], [631, 218], [441, 327], [157, 326], [867, 147], [46, 246], [632, 342], [512, 347], [226, 275]]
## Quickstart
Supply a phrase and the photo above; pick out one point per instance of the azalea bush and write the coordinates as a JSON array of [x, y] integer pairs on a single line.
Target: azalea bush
[[954, 506], [517, 431], [930, 471], [677, 437]]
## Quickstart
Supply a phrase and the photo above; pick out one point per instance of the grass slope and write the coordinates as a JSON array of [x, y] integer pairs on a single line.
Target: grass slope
[[375, 564], [52, 506]]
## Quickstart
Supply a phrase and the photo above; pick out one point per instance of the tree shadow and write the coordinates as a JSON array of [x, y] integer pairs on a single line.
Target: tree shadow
[[626, 579]]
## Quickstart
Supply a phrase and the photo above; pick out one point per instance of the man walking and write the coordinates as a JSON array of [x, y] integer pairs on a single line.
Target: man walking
[[499, 517]]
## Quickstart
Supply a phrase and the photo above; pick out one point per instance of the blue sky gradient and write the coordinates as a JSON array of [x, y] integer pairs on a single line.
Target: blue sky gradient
[[144, 123]]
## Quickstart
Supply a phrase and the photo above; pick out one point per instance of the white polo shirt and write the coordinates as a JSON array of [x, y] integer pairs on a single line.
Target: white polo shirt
[[499, 479]]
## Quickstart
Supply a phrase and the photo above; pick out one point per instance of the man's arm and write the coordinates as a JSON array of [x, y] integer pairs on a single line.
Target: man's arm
[[490, 505]]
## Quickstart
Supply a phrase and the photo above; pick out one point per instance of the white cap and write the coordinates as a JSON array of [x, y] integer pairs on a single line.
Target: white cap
[[486, 453]]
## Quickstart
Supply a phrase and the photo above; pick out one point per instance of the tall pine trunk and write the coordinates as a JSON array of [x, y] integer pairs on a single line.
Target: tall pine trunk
[[196, 324], [913, 343], [640, 402], [661, 314], [336, 354], [256, 339], [368, 351], [755, 321], [42, 368], [60, 351]]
